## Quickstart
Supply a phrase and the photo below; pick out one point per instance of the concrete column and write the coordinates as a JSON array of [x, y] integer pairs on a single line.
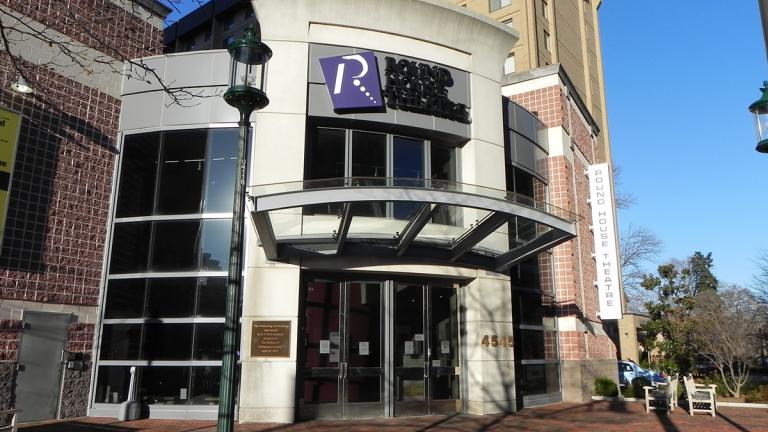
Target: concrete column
[[490, 374]]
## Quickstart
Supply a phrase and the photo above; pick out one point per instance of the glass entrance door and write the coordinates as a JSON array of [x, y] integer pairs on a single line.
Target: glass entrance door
[[343, 374], [426, 350]]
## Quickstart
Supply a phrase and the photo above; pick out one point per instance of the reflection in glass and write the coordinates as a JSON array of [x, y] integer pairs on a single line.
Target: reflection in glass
[[211, 297], [130, 247], [164, 385], [175, 245], [171, 297], [364, 344], [138, 174], [167, 342], [325, 160], [369, 159], [120, 341], [215, 247], [408, 162], [321, 342], [222, 170], [409, 343], [205, 385], [444, 333], [208, 339], [125, 298], [182, 168], [112, 384]]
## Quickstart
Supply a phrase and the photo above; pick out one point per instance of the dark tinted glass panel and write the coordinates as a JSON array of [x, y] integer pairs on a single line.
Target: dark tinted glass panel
[[322, 324], [130, 247], [541, 379], [528, 306], [442, 163], [217, 234], [526, 274], [222, 170], [112, 385], [325, 157], [533, 344], [319, 390], [182, 170], [212, 296], [164, 385], [523, 182], [444, 326], [138, 175], [171, 297], [175, 246], [364, 302], [120, 341], [208, 341], [369, 159], [408, 162], [125, 298], [205, 385], [325, 160], [167, 342]]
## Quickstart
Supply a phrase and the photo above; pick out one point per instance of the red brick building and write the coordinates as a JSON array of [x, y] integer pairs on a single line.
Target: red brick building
[[71, 54]]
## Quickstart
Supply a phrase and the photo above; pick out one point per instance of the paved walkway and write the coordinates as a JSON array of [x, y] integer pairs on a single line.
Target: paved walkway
[[564, 417]]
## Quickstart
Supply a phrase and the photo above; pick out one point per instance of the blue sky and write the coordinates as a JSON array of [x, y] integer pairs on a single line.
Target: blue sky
[[679, 76]]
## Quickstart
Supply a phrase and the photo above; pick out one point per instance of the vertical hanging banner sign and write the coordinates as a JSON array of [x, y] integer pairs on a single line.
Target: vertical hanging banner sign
[[604, 230], [10, 124]]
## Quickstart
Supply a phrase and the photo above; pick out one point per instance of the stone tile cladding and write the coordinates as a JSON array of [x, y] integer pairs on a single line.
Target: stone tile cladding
[[99, 24], [56, 225], [549, 104], [76, 382], [10, 334]]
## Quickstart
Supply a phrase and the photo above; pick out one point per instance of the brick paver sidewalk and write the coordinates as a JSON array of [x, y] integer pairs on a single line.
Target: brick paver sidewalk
[[564, 417]]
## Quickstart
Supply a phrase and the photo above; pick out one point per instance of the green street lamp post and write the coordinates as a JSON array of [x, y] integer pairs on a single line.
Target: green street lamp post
[[760, 109], [245, 92]]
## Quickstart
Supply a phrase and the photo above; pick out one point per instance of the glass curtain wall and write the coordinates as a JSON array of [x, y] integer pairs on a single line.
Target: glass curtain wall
[[537, 367], [377, 159], [165, 292]]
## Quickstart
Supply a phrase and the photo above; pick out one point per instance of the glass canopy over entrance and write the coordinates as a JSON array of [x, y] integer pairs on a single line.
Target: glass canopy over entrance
[[435, 221]]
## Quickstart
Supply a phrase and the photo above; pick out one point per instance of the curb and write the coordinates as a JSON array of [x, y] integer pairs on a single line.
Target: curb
[[720, 404]]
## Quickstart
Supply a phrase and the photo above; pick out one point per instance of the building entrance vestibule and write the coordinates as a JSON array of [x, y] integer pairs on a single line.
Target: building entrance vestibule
[[378, 349]]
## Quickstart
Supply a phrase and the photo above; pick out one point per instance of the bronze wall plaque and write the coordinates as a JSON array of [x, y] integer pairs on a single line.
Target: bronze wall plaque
[[271, 339]]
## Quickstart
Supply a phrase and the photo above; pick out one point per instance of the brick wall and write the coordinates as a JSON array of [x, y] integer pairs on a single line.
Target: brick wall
[[98, 24], [549, 105], [10, 334], [60, 193]]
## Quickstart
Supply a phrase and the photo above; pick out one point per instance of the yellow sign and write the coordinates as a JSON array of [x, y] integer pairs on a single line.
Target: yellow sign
[[10, 124]]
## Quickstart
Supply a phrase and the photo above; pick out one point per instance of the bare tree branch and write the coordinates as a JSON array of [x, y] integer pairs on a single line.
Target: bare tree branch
[[639, 246]]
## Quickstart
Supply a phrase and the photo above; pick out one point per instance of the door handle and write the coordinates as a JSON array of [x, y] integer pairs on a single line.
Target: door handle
[[426, 369]]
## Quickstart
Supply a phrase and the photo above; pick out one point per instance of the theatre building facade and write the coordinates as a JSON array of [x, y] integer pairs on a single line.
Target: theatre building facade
[[418, 234]]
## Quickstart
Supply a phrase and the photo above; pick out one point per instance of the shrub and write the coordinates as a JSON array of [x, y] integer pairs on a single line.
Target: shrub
[[627, 391], [635, 389], [605, 386], [758, 394]]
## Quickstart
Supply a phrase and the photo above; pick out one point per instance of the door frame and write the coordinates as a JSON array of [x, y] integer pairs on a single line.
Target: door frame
[[388, 391]]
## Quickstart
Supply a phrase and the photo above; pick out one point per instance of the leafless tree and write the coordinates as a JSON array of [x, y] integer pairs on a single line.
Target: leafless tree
[[639, 246], [760, 279], [723, 326], [108, 54], [624, 199]]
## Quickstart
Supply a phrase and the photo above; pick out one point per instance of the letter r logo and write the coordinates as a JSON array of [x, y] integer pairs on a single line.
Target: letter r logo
[[353, 82]]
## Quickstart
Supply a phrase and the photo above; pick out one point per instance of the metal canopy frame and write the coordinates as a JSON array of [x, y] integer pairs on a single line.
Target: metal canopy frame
[[406, 244]]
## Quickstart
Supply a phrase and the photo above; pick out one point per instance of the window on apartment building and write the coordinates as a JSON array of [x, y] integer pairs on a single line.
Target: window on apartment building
[[509, 64], [547, 42], [545, 9], [498, 4]]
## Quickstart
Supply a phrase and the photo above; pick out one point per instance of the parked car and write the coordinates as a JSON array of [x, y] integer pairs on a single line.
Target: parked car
[[630, 370]]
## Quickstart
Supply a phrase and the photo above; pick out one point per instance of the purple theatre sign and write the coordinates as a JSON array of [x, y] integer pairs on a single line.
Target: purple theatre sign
[[353, 82]]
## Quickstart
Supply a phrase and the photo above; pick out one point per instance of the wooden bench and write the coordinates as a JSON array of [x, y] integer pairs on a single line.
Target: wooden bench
[[666, 393]]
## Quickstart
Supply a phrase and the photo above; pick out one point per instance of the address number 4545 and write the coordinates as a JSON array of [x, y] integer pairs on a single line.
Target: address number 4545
[[495, 341]]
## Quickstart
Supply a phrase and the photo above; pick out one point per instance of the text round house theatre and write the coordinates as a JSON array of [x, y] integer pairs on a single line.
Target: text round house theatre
[[417, 240]]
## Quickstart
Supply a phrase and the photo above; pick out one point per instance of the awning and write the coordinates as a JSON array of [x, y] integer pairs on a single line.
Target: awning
[[414, 219]]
